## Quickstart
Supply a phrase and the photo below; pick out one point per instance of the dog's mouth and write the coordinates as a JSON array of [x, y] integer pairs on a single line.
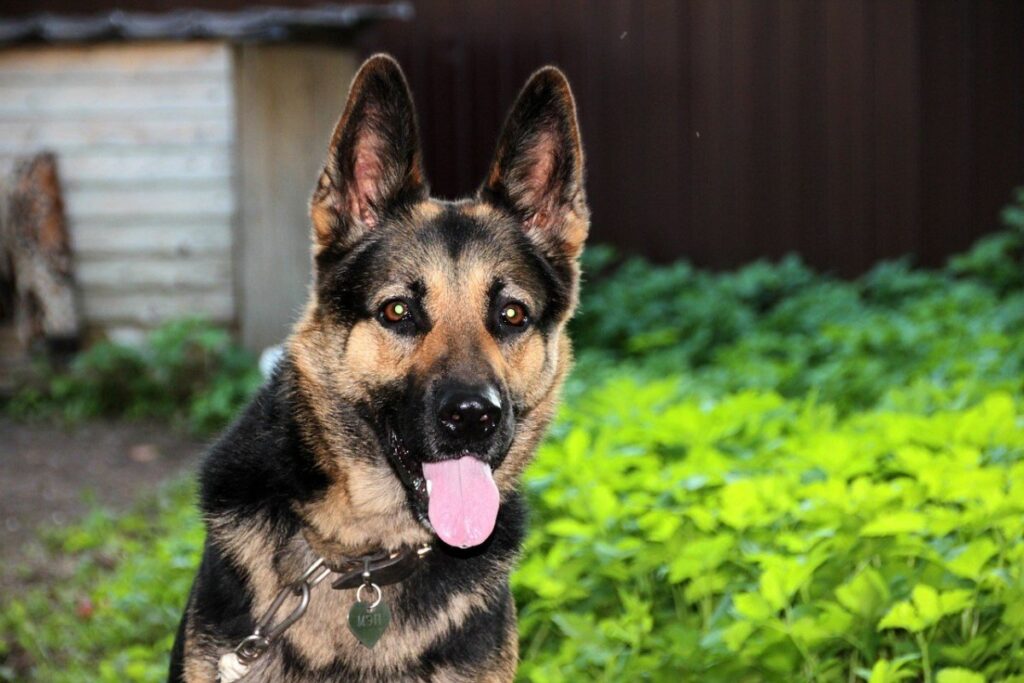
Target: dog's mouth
[[410, 472], [455, 497]]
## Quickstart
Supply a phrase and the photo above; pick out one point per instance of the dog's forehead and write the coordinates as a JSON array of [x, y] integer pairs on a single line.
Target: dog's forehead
[[466, 246]]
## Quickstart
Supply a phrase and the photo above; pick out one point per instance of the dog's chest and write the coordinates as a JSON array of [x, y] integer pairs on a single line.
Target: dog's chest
[[321, 646]]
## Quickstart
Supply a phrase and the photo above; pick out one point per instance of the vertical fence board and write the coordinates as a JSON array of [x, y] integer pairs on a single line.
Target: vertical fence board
[[895, 122], [947, 129]]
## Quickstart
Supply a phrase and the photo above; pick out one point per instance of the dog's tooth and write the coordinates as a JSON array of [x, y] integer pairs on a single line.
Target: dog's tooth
[[429, 483]]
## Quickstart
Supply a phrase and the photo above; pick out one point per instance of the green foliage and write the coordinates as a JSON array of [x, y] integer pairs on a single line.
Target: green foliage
[[114, 618], [998, 259], [188, 371], [783, 329], [765, 475], [753, 537]]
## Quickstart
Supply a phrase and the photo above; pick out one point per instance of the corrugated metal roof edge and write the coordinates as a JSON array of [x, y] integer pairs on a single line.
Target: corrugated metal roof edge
[[257, 24]]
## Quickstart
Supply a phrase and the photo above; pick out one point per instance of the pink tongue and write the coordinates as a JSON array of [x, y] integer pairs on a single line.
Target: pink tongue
[[463, 500]]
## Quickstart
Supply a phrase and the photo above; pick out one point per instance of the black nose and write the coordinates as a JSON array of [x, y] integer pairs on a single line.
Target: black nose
[[468, 414]]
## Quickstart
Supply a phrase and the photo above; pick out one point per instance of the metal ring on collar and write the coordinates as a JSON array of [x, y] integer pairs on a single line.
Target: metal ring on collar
[[359, 594], [252, 648]]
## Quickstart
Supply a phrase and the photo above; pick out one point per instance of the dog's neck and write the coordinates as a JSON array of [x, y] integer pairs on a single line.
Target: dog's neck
[[364, 507], [338, 553]]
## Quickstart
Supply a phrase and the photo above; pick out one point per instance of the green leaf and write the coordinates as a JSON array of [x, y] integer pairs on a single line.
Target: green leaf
[[951, 602], [569, 527], [894, 523], [700, 556], [902, 615], [969, 560], [752, 606], [774, 589], [885, 671], [865, 594], [926, 607], [957, 675], [736, 634], [1013, 615], [927, 604]]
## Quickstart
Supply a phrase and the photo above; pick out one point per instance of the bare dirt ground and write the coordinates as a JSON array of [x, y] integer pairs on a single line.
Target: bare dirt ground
[[50, 475]]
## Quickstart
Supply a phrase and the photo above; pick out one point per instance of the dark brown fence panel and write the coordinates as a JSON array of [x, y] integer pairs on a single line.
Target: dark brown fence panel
[[728, 130]]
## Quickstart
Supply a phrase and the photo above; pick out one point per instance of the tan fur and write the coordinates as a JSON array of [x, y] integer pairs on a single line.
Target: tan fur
[[363, 510], [246, 544], [365, 507], [352, 365], [322, 634], [202, 666]]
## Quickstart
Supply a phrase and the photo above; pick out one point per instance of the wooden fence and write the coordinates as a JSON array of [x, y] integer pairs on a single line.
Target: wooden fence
[[728, 130]]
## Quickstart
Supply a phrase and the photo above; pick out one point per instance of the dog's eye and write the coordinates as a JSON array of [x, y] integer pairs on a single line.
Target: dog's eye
[[395, 311], [514, 314]]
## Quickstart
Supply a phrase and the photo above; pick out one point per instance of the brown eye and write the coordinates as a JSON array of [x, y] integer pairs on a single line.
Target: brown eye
[[395, 311], [514, 314]]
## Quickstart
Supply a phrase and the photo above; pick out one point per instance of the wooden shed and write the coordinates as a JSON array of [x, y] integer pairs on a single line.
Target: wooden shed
[[187, 144]]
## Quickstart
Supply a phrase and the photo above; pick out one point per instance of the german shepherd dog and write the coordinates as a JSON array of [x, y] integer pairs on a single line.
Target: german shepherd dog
[[412, 393]]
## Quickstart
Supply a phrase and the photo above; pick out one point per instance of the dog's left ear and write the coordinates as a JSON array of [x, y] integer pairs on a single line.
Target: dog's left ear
[[374, 161], [537, 172]]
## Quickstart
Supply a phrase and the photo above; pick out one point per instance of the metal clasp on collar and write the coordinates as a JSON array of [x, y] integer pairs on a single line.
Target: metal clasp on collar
[[255, 645]]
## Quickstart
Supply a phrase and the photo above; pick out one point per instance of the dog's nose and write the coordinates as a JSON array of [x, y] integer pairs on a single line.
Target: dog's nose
[[469, 414]]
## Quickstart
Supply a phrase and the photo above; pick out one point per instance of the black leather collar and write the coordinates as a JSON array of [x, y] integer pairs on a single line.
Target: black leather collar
[[380, 568]]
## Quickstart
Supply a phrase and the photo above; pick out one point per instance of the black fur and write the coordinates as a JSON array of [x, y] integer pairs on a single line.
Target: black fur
[[279, 460], [259, 469]]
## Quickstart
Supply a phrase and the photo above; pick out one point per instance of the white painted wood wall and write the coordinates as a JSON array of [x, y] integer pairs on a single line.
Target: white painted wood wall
[[145, 135]]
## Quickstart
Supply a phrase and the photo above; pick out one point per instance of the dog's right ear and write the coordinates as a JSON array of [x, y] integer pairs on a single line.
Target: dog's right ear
[[374, 163], [537, 172]]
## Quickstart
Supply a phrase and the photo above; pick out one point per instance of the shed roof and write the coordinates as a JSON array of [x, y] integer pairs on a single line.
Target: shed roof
[[253, 24]]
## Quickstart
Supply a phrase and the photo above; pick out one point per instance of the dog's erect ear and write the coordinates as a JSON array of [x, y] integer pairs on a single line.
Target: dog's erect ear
[[537, 172], [374, 163]]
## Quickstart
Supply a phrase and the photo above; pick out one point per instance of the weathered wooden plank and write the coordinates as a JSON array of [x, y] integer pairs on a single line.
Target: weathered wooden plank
[[705, 170], [289, 98], [143, 184], [216, 199], [96, 237], [47, 98], [154, 274], [135, 164], [123, 58], [145, 136], [21, 136], [106, 308], [10, 77]]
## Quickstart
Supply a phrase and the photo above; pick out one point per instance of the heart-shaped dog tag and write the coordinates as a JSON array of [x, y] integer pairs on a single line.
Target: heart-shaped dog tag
[[369, 623]]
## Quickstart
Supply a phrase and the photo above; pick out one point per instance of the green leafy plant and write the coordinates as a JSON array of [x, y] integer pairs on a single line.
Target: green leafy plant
[[188, 371], [114, 618], [754, 536], [764, 475], [998, 259]]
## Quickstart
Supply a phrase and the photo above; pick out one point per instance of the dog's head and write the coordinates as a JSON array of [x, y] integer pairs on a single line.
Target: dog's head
[[434, 340]]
